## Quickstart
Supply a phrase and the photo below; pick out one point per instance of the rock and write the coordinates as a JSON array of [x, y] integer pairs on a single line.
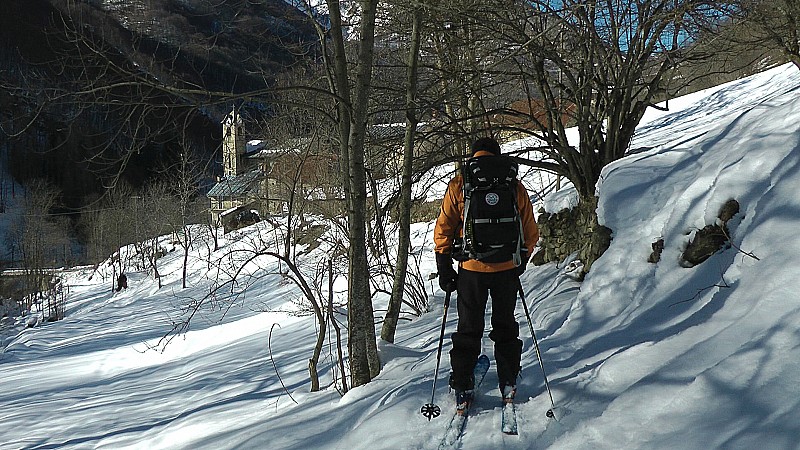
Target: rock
[[658, 247]]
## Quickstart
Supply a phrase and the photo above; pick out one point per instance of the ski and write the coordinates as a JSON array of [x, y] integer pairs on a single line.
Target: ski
[[459, 421], [509, 421]]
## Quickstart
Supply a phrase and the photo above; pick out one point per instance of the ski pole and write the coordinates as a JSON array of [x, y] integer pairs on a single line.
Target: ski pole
[[550, 412], [431, 410]]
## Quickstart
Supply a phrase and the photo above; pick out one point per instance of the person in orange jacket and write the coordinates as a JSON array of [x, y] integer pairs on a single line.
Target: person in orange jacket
[[474, 282]]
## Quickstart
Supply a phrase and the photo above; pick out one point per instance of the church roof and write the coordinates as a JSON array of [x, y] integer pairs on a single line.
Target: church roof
[[238, 185]]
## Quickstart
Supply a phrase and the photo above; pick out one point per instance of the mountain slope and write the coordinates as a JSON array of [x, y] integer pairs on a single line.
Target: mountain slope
[[60, 121]]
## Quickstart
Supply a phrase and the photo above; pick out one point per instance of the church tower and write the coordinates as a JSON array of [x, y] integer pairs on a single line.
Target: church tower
[[233, 143]]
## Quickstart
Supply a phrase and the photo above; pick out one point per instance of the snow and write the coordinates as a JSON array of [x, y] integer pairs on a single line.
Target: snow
[[638, 356]]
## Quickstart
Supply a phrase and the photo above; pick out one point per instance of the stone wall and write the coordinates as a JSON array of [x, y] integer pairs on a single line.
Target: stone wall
[[572, 231]]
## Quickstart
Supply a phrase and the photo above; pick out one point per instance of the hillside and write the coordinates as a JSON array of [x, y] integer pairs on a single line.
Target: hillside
[[229, 47], [639, 355], [59, 121]]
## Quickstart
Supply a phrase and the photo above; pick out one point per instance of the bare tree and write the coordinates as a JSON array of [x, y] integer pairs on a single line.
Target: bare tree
[[185, 175], [301, 167], [463, 43], [352, 110], [119, 217], [404, 210], [109, 223], [772, 24], [597, 66], [38, 237], [155, 210]]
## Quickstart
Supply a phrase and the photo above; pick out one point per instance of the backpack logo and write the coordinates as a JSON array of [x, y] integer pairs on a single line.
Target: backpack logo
[[492, 199]]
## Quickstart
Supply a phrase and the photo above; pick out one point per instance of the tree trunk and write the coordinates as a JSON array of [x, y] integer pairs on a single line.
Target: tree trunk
[[335, 325], [364, 363], [312, 363], [401, 267], [359, 273], [185, 270]]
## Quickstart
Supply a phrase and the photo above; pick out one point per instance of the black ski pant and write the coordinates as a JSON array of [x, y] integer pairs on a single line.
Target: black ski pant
[[474, 289]]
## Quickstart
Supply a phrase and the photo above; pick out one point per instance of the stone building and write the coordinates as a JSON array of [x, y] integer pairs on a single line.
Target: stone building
[[261, 179], [242, 189]]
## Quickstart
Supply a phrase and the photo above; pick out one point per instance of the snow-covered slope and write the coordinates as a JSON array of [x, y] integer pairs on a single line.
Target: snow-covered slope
[[639, 356]]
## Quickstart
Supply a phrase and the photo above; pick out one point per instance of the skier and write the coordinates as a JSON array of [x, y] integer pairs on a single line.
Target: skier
[[478, 277], [122, 282]]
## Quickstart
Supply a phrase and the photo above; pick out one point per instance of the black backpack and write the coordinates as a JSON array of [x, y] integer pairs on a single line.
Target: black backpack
[[492, 225]]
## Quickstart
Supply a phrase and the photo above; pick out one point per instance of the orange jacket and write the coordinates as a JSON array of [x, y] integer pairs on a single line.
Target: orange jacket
[[451, 218]]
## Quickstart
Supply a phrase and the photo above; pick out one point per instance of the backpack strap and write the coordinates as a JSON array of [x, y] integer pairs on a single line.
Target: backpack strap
[[501, 220], [467, 250], [517, 256], [512, 178]]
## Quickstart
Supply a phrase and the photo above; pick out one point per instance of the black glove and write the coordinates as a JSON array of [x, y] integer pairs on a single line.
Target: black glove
[[521, 268], [447, 275]]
